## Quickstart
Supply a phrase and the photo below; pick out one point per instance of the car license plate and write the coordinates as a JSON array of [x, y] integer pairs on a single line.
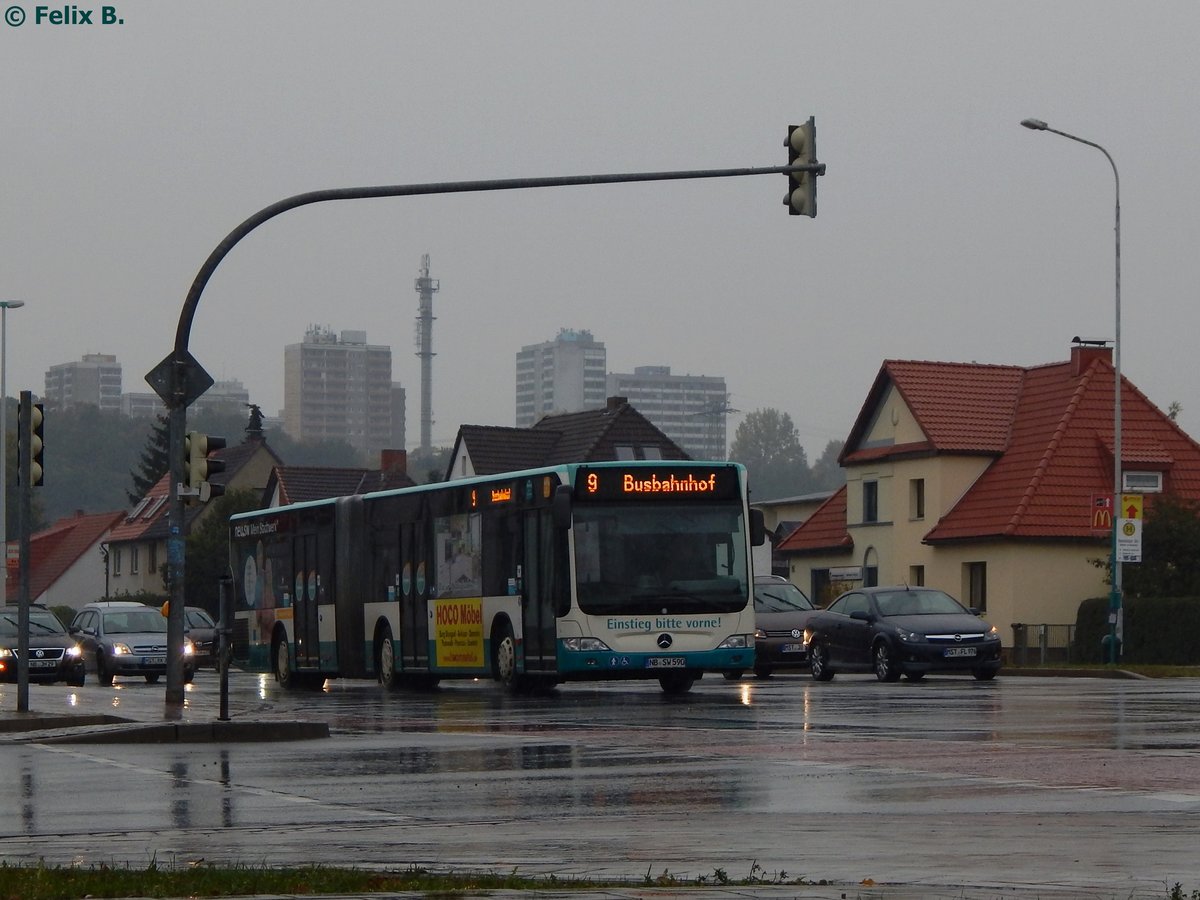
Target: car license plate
[[792, 648], [666, 662], [154, 660], [960, 651], [42, 663]]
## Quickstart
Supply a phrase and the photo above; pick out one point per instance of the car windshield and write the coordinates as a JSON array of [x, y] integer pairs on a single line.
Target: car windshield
[[780, 597], [40, 622], [135, 621], [198, 618], [916, 603]]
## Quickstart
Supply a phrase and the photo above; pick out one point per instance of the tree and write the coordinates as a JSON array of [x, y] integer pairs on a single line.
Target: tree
[[155, 461], [1170, 565], [827, 475], [207, 548], [768, 445]]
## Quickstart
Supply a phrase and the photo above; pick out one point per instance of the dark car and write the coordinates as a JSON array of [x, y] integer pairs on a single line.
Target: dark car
[[121, 637], [781, 613], [202, 632], [53, 654], [896, 631]]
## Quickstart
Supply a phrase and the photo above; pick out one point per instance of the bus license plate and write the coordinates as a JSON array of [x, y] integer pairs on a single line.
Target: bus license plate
[[666, 662], [960, 651], [154, 660]]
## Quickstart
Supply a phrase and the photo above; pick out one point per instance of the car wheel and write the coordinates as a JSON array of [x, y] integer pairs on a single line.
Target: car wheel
[[762, 671], [385, 660], [189, 675], [914, 676], [984, 674], [886, 667], [675, 684], [152, 678], [77, 680], [102, 674], [818, 663]]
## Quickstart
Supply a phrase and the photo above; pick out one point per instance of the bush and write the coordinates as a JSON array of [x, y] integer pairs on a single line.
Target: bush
[[1158, 631]]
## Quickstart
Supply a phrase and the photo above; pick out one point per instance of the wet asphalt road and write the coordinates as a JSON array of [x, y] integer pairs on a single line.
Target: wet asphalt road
[[1091, 785]]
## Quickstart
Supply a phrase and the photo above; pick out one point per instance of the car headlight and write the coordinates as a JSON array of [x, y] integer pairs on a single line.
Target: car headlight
[[74, 651], [909, 637], [118, 648], [586, 644], [6, 652], [188, 647], [993, 634], [735, 642], [808, 636], [759, 634]]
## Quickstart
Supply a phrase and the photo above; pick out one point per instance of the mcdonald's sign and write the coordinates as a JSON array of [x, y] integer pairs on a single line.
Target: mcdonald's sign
[[1102, 512]]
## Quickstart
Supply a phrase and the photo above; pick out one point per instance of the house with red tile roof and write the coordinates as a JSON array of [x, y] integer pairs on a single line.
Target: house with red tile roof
[[137, 546], [66, 566], [983, 480]]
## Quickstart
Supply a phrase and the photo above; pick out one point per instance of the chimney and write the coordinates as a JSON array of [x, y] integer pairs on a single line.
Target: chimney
[[615, 403], [393, 461], [1084, 353]]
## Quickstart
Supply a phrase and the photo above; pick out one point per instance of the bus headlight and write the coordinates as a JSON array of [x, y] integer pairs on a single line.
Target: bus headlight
[[586, 645], [735, 642]]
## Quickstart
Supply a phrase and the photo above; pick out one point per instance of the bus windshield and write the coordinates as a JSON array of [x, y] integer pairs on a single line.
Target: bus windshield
[[658, 558]]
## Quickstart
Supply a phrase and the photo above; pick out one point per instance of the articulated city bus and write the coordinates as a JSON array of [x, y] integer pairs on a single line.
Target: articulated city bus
[[610, 570]]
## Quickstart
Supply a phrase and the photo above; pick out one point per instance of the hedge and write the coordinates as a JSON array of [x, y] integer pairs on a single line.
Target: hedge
[[1158, 631]]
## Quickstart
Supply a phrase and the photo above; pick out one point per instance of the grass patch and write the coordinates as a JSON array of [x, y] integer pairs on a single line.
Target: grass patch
[[42, 882]]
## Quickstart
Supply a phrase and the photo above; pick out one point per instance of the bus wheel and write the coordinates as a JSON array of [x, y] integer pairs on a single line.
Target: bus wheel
[[283, 668], [504, 658], [676, 684], [385, 660]]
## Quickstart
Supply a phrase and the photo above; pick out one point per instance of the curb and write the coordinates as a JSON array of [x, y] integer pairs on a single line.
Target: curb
[[120, 731]]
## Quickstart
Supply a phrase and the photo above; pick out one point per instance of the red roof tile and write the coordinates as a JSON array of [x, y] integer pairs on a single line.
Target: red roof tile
[[54, 550], [824, 530]]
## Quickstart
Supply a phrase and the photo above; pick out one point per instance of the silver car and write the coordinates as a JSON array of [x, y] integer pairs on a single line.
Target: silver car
[[123, 637]]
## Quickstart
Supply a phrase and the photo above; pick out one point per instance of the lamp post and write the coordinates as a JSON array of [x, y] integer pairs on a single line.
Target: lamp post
[[5, 306], [1115, 631]]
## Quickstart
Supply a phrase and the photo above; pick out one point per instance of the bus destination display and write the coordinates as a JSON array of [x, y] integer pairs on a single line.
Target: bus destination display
[[675, 483]]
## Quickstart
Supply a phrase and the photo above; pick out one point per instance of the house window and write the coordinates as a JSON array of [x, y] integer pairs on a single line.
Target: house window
[[870, 501], [153, 558], [975, 589], [916, 576], [916, 498], [116, 562], [870, 574], [133, 560]]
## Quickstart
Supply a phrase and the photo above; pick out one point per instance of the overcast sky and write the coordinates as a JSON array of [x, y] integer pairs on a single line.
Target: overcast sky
[[945, 231]]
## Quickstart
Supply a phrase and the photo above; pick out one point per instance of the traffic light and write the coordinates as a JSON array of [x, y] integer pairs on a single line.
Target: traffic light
[[37, 445], [200, 468], [802, 186]]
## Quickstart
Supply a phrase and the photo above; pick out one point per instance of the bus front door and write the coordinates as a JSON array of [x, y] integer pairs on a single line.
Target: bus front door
[[304, 612], [414, 598], [537, 613]]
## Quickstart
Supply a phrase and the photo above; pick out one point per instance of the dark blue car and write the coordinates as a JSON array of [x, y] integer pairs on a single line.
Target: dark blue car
[[895, 631]]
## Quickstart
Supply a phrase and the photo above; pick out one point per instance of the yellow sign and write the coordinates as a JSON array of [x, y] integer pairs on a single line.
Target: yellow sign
[[458, 633], [1131, 506]]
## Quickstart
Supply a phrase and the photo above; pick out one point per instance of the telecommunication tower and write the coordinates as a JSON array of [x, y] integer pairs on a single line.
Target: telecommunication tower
[[426, 288]]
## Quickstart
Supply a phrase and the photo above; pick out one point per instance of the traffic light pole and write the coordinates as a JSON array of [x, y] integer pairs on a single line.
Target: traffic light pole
[[176, 393], [25, 502]]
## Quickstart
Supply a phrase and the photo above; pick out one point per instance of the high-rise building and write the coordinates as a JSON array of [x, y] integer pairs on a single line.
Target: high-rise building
[[560, 376], [689, 409], [339, 387], [96, 380]]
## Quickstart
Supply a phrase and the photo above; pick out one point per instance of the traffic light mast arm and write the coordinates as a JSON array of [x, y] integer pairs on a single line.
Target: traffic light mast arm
[[176, 389]]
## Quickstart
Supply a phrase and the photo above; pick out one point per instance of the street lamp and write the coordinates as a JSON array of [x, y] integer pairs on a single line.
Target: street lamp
[[1115, 630], [5, 306]]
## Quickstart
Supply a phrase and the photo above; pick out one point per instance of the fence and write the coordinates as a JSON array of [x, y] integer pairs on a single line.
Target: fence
[[1040, 645]]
